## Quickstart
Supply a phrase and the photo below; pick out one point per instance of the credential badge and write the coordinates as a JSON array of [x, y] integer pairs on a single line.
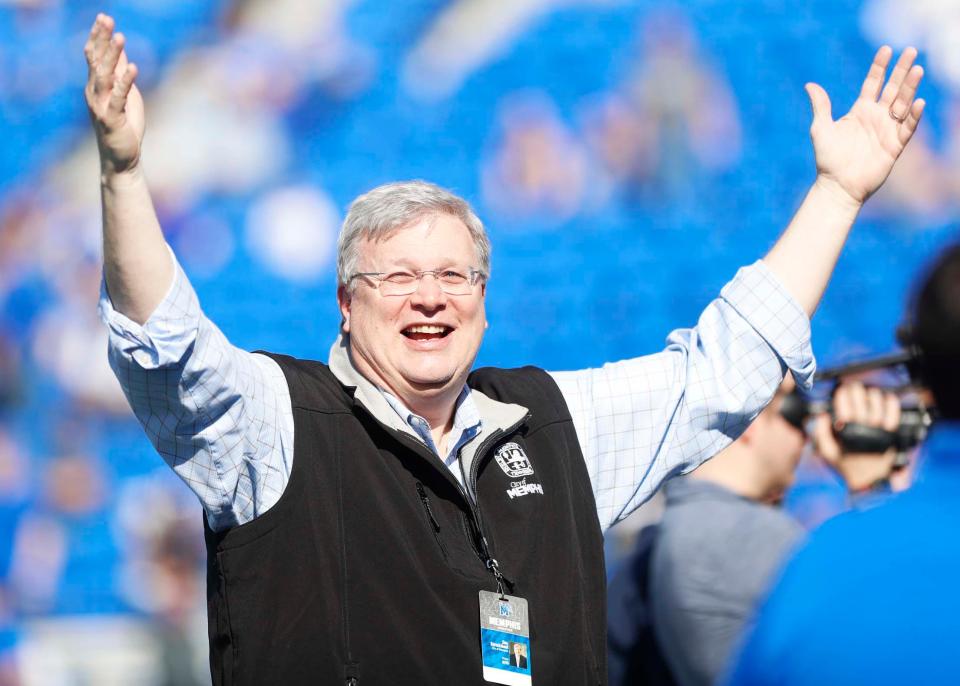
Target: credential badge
[[513, 461]]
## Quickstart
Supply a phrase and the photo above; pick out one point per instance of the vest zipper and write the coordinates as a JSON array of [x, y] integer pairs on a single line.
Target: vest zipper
[[435, 525], [486, 555]]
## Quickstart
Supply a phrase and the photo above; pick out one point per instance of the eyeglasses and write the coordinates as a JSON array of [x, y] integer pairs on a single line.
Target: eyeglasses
[[450, 281]]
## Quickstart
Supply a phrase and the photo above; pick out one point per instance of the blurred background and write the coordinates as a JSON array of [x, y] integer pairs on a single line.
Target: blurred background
[[627, 158]]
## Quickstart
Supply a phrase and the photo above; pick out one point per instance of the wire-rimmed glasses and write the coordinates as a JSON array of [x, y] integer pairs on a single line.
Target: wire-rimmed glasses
[[450, 281]]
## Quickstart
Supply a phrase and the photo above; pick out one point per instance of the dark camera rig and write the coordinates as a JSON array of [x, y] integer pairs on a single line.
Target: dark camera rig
[[915, 416]]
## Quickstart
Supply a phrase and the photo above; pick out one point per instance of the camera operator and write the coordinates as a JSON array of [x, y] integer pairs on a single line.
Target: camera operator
[[873, 596], [721, 539]]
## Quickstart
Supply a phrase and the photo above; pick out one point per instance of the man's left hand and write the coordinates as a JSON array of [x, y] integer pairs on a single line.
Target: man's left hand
[[855, 153]]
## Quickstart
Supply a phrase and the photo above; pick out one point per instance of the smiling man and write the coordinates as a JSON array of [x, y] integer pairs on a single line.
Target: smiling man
[[393, 516]]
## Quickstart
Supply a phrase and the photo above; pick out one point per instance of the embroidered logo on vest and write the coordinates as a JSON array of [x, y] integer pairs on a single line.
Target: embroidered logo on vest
[[515, 464], [513, 461]]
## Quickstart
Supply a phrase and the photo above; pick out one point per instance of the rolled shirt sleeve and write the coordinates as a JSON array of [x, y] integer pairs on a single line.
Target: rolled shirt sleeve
[[642, 420], [219, 416]]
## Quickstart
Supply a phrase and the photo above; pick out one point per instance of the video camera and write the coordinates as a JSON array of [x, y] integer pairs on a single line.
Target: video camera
[[915, 417]]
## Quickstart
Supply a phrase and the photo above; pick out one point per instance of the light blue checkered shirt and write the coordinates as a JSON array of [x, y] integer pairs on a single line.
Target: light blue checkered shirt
[[221, 417]]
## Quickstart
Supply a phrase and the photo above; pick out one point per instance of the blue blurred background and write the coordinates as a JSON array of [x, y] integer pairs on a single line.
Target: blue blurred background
[[627, 158]]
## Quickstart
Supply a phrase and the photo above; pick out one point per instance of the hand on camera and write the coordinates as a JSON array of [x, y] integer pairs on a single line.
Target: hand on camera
[[870, 407]]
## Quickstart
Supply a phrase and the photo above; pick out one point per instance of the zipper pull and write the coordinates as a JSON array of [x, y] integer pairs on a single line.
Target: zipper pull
[[491, 563], [494, 567]]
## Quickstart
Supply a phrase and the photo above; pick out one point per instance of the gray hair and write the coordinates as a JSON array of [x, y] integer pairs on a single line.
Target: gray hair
[[379, 213]]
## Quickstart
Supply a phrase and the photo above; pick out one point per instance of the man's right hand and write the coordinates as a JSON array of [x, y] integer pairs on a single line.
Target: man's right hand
[[115, 103]]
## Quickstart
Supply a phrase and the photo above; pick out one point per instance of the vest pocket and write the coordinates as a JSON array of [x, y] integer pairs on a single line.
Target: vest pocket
[[431, 518]]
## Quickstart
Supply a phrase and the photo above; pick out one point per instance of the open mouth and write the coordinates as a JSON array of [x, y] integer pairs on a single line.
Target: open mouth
[[426, 332]]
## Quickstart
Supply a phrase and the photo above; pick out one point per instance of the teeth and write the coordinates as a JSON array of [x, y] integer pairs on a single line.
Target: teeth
[[426, 328]]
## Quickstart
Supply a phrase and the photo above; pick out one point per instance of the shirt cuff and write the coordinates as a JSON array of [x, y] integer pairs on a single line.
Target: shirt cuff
[[166, 336], [759, 297]]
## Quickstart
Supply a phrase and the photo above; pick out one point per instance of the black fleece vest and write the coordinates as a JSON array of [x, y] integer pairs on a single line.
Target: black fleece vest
[[367, 570]]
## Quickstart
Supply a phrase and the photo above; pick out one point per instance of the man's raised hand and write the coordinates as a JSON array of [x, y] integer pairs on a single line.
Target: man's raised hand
[[115, 103], [856, 152]]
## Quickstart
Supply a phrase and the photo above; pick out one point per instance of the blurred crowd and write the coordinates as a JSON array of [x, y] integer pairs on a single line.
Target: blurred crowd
[[557, 119]]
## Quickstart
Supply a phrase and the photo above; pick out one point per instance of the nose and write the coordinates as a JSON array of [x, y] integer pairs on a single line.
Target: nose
[[429, 295]]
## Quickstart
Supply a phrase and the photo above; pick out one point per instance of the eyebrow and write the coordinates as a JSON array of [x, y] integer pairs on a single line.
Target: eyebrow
[[406, 263]]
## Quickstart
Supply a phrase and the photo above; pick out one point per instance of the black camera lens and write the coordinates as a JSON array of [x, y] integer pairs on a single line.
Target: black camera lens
[[794, 409]]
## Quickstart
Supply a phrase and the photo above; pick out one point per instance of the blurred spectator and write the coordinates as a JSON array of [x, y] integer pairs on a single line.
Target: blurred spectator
[[177, 558], [66, 332], [37, 564], [15, 241], [52, 533], [674, 115], [11, 377], [163, 573], [14, 472], [464, 36], [872, 597], [538, 170], [14, 494], [682, 601], [926, 184]]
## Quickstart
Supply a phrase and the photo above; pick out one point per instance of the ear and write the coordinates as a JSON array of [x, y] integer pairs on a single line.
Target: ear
[[344, 302]]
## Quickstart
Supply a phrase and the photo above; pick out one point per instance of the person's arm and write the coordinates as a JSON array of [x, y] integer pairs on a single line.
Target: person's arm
[[643, 420], [137, 267], [854, 156], [218, 415]]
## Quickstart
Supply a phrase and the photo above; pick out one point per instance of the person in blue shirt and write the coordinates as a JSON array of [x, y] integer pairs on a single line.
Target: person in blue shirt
[[873, 597]]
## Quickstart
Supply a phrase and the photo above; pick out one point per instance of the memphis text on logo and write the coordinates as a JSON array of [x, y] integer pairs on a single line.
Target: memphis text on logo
[[519, 488]]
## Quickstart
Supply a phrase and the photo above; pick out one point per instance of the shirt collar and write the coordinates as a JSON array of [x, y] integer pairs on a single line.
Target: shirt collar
[[466, 421]]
